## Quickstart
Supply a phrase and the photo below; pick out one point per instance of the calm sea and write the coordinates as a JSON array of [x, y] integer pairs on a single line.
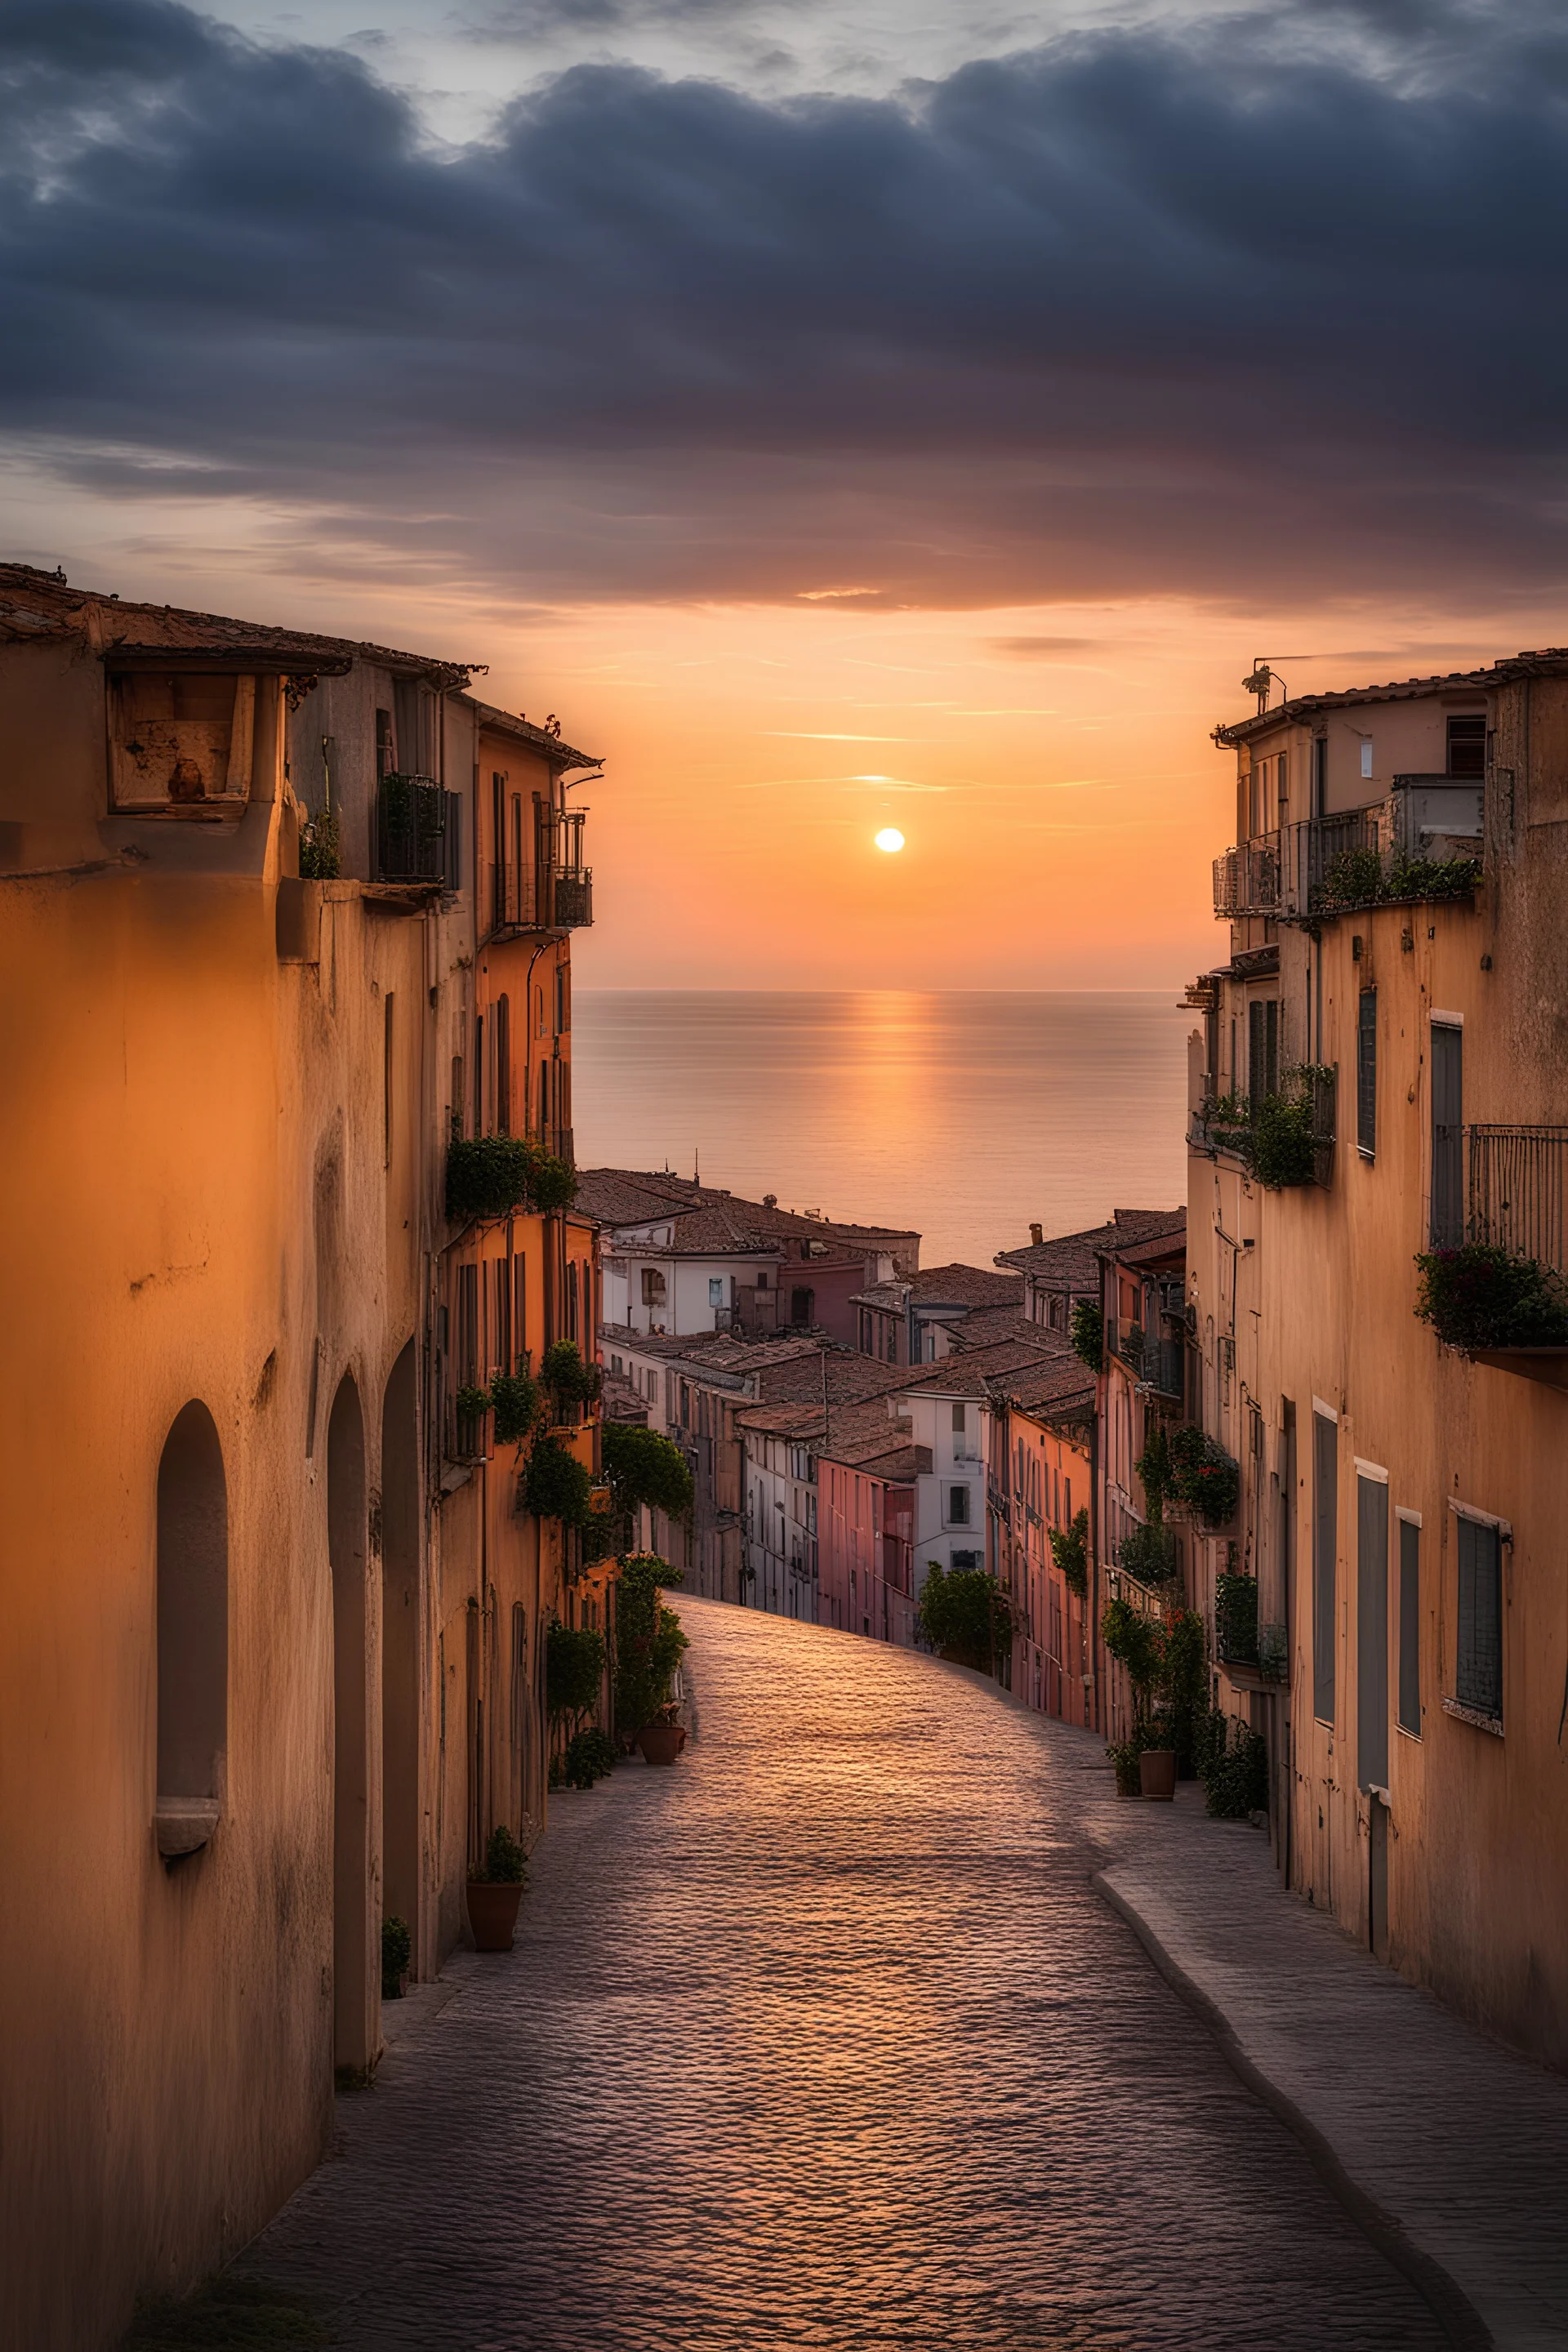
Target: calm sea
[[965, 1115]]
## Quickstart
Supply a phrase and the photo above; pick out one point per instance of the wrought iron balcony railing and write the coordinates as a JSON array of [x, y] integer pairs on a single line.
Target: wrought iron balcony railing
[[418, 832], [1518, 1191], [574, 900], [1246, 879]]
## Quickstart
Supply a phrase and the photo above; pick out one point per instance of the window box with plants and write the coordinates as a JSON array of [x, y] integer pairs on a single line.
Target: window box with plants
[[495, 1891], [1204, 1479], [1486, 1301]]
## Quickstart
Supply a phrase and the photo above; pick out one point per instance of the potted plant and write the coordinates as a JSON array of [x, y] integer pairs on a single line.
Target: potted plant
[[494, 1898], [662, 1741], [1145, 1763]]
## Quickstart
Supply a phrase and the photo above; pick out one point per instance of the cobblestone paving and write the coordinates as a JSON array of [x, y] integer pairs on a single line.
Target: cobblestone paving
[[822, 2039]]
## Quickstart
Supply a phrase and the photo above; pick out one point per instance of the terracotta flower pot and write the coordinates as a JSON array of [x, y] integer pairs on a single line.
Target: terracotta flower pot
[[1157, 1772], [492, 1913], [661, 1742]]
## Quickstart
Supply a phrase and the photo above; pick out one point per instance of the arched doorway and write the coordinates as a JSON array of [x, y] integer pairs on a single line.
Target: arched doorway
[[192, 1632], [401, 1619], [355, 1991]]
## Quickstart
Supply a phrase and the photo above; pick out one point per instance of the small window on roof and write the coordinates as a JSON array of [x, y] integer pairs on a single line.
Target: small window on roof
[[1467, 746]]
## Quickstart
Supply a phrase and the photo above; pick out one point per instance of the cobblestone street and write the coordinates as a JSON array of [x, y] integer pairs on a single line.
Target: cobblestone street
[[824, 2039]]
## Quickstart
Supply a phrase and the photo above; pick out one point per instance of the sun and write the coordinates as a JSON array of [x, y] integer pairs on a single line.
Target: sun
[[890, 838]]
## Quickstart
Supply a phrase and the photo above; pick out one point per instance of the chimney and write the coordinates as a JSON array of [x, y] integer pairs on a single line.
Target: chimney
[[1036, 1236], [770, 1200]]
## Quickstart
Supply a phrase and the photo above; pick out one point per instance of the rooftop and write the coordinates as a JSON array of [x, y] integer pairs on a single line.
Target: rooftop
[[1550, 661], [35, 605], [1071, 1260], [630, 1196]]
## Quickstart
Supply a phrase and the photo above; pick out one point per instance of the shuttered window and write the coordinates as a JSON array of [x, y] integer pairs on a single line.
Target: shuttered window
[[1325, 1523], [1448, 1135], [1366, 1074], [1478, 1679], [1409, 1627], [1372, 1633]]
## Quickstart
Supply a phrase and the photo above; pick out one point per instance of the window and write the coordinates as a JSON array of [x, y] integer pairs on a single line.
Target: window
[[1478, 1677], [1320, 775], [1366, 1074], [467, 1327], [652, 1287], [1366, 755], [518, 1309], [1263, 1048], [503, 1066], [386, 1077], [1372, 1633], [958, 1506], [459, 1104], [479, 1074], [181, 741], [802, 1304], [192, 1632], [966, 1560], [1448, 1135], [501, 1327], [1410, 1627], [1467, 746], [1325, 1526], [715, 1290], [385, 749]]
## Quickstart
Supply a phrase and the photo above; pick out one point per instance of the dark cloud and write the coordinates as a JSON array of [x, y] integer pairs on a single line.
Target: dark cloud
[[1138, 310]]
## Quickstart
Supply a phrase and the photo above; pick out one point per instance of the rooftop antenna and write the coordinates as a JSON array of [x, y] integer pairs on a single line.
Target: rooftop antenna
[[696, 1168], [1260, 681]]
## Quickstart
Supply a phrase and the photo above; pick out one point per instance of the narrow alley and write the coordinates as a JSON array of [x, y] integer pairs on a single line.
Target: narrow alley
[[824, 2038]]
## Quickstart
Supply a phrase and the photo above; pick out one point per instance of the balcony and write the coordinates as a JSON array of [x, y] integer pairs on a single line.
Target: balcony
[[1285, 1139], [1423, 842], [418, 832], [1246, 880], [1502, 1297], [1518, 1191], [573, 897], [1157, 1365]]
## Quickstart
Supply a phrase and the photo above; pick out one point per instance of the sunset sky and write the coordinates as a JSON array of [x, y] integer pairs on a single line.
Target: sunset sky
[[842, 417]]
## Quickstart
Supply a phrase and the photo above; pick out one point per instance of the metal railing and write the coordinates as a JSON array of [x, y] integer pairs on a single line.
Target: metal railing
[[574, 900], [1518, 1191], [1331, 865], [1154, 1363], [418, 832], [1329, 858], [1246, 878]]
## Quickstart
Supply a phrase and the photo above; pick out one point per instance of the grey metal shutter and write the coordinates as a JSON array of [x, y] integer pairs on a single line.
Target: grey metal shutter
[[1366, 1073], [1448, 1135], [1409, 1627], [1325, 1524], [1478, 1680], [1372, 1633]]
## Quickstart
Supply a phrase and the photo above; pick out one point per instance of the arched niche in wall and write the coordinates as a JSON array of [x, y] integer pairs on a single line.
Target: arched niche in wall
[[192, 1632]]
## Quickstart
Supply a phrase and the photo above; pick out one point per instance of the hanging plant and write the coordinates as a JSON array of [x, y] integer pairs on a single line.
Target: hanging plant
[[518, 1406], [1087, 1331], [567, 1378], [556, 1485], [494, 1175], [1069, 1549]]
